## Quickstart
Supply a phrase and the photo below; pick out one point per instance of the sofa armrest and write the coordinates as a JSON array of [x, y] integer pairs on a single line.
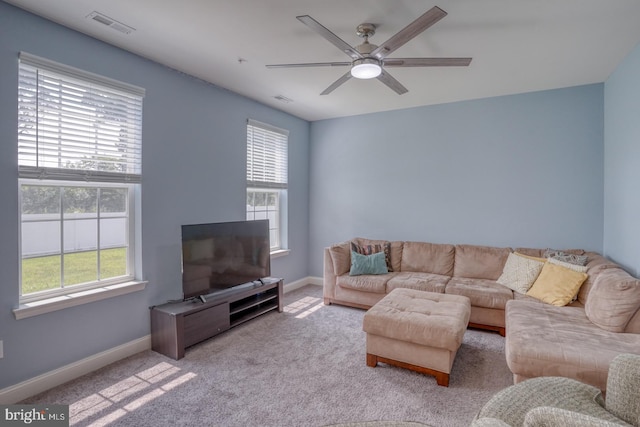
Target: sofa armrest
[[623, 388], [329, 278]]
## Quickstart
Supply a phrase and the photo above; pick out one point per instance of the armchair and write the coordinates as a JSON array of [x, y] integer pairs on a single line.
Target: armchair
[[558, 401]]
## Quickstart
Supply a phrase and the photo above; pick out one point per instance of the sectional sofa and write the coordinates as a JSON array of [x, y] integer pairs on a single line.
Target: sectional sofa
[[578, 339]]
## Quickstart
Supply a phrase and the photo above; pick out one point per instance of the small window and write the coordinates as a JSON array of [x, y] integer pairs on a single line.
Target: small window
[[79, 166], [267, 178]]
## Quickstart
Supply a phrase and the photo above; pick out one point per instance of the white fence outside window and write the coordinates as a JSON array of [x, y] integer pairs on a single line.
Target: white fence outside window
[[41, 233]]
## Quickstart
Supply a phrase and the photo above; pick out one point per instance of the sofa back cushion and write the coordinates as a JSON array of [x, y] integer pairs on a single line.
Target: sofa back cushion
[[596, 264], [537, 253], [433, 258], [341, 257], [479, 262], [613, 299]]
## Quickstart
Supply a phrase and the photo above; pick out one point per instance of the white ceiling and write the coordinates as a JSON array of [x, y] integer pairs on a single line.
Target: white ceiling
[[517, 45]]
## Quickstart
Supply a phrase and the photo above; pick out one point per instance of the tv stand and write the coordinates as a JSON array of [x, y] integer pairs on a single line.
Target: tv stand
[[176, 326]]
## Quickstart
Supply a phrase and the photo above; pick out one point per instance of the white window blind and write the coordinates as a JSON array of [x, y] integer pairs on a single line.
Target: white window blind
[[266, 155], [75, 125]]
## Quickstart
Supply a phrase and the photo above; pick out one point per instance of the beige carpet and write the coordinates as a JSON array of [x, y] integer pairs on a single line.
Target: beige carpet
[[304, 367]]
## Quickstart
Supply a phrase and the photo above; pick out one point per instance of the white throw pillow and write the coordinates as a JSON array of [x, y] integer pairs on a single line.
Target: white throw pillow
[[520, 272]]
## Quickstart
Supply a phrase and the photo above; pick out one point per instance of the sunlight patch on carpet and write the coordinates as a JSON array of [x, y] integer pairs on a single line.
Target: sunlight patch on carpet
[[130, 394], [308, 304], [309, 311]]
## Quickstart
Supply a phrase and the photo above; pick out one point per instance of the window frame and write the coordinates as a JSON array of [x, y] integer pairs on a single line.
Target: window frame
[[275, 183], [111, 94]]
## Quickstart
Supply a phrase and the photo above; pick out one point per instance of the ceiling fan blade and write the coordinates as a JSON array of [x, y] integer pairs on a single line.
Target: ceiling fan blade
[[427, 62], [393, 84], [427, 19], [310, 64], [332, 38], [337, 83]]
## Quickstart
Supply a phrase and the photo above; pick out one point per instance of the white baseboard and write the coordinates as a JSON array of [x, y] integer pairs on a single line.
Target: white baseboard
[[33, 386], [48, 380], [309, 280]]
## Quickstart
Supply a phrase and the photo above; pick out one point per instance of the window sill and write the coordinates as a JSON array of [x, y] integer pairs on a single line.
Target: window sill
[[49, 305], [279, 253]]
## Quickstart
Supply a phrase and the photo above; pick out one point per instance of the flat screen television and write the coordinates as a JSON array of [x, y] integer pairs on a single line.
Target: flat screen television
[[219, 256]]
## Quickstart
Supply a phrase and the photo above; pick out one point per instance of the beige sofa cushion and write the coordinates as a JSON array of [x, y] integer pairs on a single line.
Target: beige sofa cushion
[[420, 281], [366, 283], [545, 340], [428, 258], [530, 252], [479, 262], [482, 293], [341, 258], [596, 264], [525, 297], [613, 300]]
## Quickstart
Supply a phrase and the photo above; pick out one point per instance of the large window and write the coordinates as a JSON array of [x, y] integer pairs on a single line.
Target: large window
[[267, 178], [79, 165]]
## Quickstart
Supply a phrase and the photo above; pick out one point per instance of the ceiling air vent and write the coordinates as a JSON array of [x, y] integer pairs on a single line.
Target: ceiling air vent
[[283, 98], [112, 23]]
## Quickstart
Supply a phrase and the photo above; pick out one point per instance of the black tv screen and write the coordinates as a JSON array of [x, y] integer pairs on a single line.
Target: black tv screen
[[219, 256]]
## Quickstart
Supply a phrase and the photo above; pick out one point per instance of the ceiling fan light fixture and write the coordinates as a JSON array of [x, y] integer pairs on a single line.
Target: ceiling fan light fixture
[[366, 68]]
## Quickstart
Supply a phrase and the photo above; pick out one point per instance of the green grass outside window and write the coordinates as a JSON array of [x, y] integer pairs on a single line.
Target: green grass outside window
[[43, 273]]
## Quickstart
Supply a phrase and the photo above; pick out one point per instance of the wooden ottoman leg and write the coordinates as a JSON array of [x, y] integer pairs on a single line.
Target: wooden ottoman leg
[[372, 360], [442, 378]]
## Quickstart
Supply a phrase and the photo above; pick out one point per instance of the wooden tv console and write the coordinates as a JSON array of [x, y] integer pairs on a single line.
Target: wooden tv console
[[176, 326]]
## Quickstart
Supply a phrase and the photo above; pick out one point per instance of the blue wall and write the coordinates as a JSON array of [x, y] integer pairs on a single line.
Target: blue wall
[[521, 170], [194, 149], [622, 164]]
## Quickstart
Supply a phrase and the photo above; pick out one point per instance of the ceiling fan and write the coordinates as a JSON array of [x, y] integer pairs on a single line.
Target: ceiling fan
[[368, 60]]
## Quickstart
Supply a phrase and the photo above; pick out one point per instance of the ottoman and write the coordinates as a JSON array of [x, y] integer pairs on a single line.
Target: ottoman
[[417, 330]]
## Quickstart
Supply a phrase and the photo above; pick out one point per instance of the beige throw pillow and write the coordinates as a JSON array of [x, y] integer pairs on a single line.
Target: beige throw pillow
[[557, 285], [520, 272]]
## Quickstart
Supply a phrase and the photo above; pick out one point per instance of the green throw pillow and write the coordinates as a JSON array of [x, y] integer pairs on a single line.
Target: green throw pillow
[[367, 264]]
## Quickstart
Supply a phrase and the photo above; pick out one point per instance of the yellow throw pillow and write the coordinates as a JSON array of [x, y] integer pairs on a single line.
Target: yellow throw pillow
[[556, 285]]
